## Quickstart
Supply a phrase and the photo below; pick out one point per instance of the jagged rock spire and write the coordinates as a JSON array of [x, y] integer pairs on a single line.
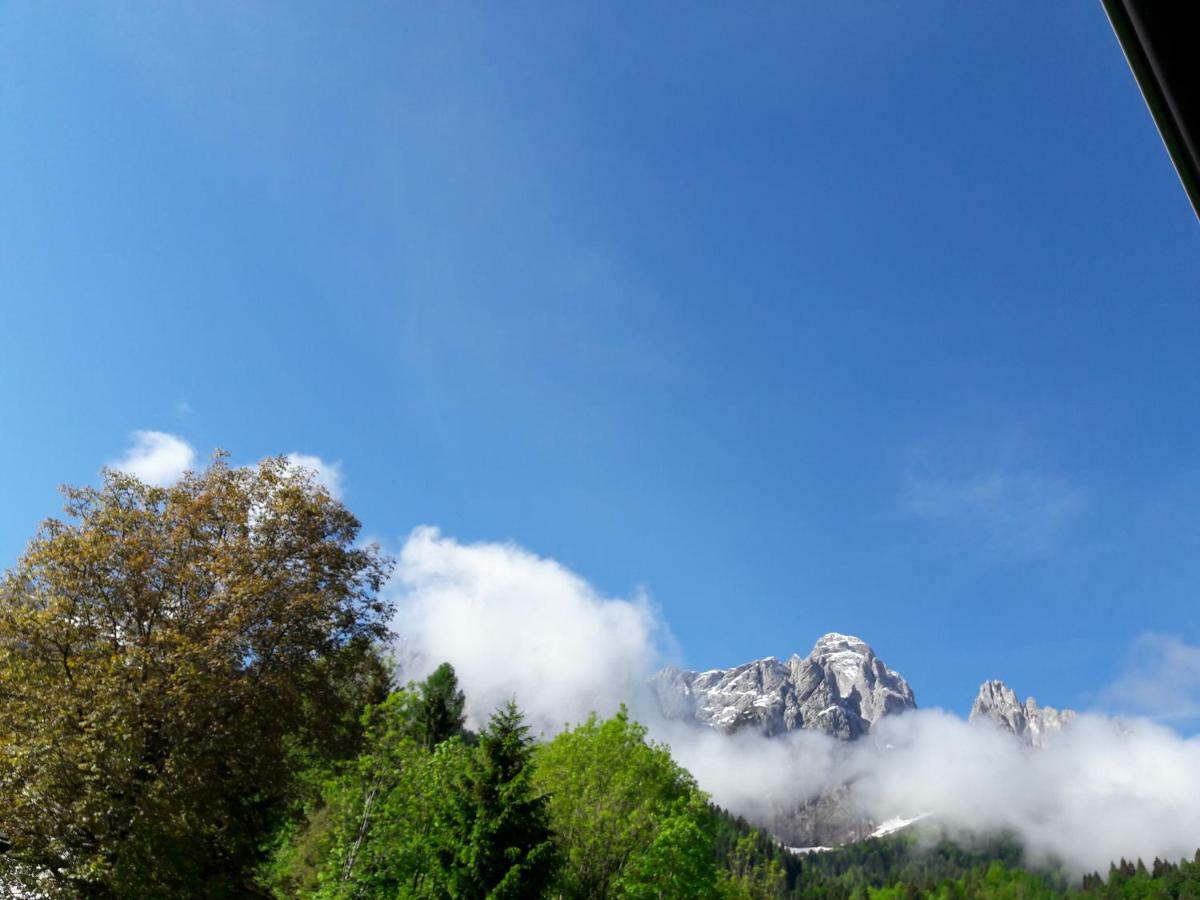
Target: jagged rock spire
[[1033, 724]]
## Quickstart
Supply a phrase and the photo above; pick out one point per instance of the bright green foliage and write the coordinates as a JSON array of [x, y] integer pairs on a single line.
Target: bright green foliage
[[999, 881], [753, 864], [342, 805], [750, 873], [420, 717], [917, 864], [389, 816], [429, 711], [167, 657], [460, 821], [396, 830], [299, 851], [678, 863], [620, 807], [993, 882], [1133, 881]]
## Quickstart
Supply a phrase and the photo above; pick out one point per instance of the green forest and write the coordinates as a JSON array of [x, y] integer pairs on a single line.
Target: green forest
[[196, 700]]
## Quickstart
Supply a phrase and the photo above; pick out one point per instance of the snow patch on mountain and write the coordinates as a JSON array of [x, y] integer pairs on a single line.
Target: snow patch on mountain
[[891, 826]]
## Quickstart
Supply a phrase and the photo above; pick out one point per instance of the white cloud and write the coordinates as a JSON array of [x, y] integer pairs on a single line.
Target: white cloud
[[1161, 680], [156, 458], [327, 474], [1100, 791], [516, 624]]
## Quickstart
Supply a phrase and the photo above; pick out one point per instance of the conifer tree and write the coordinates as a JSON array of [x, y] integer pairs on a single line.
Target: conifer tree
[[439, 707], [509, 849]]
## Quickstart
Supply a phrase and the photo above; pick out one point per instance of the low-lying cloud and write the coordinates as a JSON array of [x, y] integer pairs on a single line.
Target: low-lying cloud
[[518, 625], [1101, 790]]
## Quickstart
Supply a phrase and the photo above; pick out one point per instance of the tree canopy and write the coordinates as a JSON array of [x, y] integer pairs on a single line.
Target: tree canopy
[[438, 707], [630, 820], [162, 653], [412, 820]]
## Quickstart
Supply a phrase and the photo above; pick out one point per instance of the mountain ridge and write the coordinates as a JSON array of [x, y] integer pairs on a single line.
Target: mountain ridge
[[840, 688]]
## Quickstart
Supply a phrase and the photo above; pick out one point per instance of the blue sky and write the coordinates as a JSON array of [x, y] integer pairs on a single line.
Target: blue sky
[[878, 318]]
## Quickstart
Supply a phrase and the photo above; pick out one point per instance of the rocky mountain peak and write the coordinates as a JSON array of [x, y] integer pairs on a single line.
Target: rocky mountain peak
[[1033, 724], [841, 688], [837, 641]]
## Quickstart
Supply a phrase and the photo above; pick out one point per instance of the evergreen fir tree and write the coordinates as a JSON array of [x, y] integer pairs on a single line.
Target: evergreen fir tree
[[439, 707], [509, 851]]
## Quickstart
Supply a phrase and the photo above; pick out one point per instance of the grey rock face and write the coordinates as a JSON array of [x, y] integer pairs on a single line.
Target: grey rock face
[[828, 820], [1031, 723], [841, 688]]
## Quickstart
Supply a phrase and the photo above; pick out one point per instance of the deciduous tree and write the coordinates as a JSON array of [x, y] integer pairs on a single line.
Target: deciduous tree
[[620, 806], [162, 653]]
